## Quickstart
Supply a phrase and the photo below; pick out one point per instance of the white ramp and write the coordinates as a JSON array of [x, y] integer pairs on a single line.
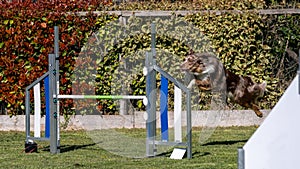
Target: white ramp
[[276, 143]]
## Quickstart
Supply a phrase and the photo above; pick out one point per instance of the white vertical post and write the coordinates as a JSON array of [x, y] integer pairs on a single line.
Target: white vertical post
[[177, 114], [37, 110], [58, 113]]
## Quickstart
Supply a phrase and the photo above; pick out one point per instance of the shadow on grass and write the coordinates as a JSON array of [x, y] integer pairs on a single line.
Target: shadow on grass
[[231, 142], [67, 148]]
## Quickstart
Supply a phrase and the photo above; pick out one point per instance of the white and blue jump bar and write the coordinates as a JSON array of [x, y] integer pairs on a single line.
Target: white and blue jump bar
[[37, 109], [37, 105], [164, 111]]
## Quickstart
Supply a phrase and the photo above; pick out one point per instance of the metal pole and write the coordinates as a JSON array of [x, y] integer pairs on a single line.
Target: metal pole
[[56, 42], [151, 106], [56, 52], [124, 108], [151, 96], [153, 40], [241, 158], [53, 113], [27, 111], [189, 125]]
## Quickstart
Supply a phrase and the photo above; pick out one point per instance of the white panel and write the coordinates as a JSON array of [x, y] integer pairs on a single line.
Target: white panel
[[275, 144], [178, 153], [58, 114], [177, 114], [37, 110]]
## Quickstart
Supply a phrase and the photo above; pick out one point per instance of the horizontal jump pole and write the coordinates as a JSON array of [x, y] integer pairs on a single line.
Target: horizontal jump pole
[[110, 97]]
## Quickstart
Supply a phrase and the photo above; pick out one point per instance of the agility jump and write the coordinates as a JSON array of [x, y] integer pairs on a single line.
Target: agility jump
[[52, 97]]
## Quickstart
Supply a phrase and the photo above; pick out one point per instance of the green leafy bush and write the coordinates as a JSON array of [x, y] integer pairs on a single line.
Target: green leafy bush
[[27, 38], [248, 44]]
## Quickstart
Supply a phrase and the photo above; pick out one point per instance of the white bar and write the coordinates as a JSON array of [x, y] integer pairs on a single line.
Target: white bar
[[37, 110], [70, 97], [100, 97], [58, 115], [177, 114]]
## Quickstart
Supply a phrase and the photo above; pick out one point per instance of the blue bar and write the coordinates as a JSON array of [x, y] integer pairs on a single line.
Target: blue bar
[[47, 103], [164, 109]]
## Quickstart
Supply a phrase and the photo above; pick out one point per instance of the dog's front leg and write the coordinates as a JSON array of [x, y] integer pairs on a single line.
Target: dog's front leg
[[252, 106], [255, 108], [203, 84], [191, 84]]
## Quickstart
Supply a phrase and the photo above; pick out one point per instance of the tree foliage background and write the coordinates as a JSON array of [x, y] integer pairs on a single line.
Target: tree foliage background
[[262, 46]]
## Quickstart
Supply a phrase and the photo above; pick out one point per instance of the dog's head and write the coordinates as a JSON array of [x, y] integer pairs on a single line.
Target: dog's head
[[257, 89], [193, 64]]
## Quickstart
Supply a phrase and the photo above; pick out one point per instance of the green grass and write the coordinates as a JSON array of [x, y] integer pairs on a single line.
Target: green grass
[[80, 151]]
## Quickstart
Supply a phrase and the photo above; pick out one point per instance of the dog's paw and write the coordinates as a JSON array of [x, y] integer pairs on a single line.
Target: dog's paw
[[191, 84], [259, 114]]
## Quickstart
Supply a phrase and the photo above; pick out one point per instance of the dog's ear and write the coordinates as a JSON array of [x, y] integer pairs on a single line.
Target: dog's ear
[[263, 85]]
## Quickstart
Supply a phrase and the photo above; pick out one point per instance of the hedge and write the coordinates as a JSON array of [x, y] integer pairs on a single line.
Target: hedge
[[27, 39], [249, 44]]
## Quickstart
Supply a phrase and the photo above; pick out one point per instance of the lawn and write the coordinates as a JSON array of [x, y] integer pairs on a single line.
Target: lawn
[[80, 150]]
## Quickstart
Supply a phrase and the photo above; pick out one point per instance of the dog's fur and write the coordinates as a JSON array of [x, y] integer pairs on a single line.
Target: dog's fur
[[211, 75]]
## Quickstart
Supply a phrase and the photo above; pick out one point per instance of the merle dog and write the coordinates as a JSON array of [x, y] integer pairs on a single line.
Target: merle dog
[[211, 75]]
